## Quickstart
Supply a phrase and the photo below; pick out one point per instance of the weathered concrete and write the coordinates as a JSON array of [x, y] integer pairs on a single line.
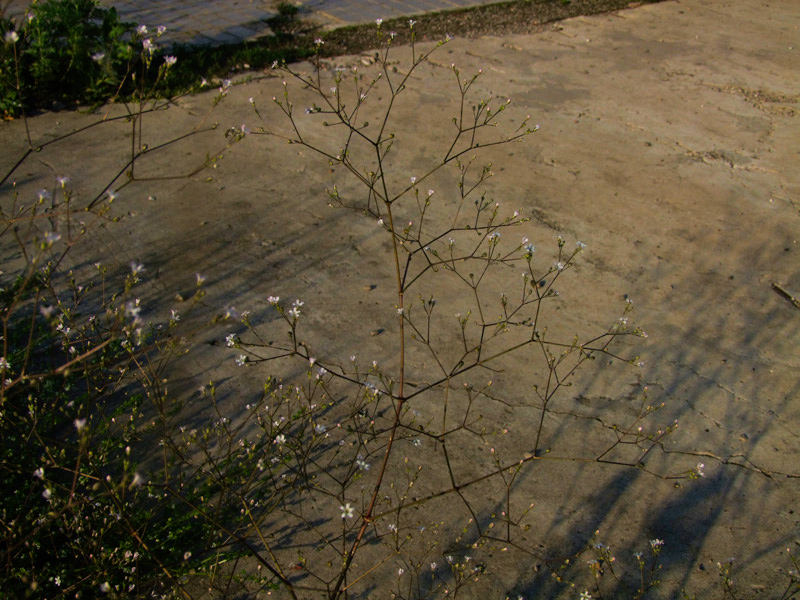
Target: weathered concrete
[[668, 145]]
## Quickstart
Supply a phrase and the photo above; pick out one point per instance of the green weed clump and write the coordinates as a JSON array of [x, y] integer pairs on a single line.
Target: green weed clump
[[73, 52], [67, 51]]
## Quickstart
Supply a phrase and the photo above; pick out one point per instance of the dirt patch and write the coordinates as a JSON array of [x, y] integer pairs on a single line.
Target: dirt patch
[[525, 16]]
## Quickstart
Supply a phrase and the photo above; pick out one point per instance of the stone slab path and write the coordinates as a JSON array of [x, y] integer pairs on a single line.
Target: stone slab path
[[230, 21]]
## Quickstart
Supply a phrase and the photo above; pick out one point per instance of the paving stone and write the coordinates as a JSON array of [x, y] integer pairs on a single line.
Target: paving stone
[[225, 21]]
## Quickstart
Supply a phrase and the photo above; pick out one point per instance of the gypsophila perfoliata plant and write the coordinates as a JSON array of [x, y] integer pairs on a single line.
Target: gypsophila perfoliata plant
[[363, 459], [79, 515], [83, 399]]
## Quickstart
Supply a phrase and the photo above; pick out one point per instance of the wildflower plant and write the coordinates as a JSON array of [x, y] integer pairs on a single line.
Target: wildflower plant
[[70, 51], [82, 392], [368, 451], [64, 50]]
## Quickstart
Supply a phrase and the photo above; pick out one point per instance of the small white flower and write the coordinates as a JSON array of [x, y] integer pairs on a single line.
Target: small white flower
[[136, 268], [12, 37], [347, 510], [174, 317], [560, 266], [585, 595], [187, 555], [241, 360], [400, 571], [273, 299], [142, 30], [411, 23], [280, 439], [699, 469], [413, 180], [105, 587], [132, 309], [433, 566], [39, 473], [137, 480], [294, 312], [98, 56], [62, 180], [80, 424], [170, 60], [57, 581], [230, 340], [200, 278], [148, 45], [380, 222], [378, 22], [656, 543], [399, 311], [363, 466], [46, 494], [161, 30], [430, 193], [51, 237], [580, 245], [319, 42]]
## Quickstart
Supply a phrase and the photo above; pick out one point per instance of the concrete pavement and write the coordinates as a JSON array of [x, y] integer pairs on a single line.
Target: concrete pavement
[[668, 145]]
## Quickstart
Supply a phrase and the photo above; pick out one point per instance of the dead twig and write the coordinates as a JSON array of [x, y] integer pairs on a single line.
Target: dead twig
[[786, 294]]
